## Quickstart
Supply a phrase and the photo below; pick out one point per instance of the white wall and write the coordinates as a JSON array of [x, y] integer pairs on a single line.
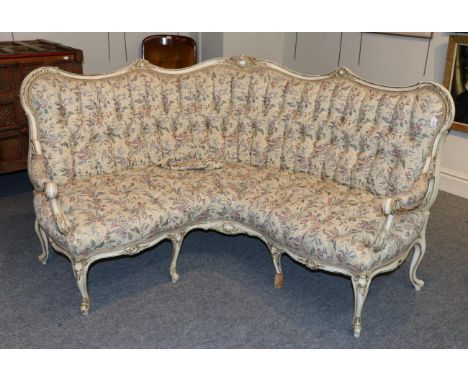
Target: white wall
[[387, 59], [269, 46], [211, 45]]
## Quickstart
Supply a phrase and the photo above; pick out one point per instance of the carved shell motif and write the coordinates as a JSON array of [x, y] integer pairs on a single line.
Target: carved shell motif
[[311, 264], [242, 61], [229, 228], [342, 72], [141, 63]]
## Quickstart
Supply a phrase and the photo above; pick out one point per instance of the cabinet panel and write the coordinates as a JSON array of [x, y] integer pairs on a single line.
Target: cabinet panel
[[67, 66], [7, 83], [17, 60], [8, 115], [13, 154], [25, 69], [10, 149]]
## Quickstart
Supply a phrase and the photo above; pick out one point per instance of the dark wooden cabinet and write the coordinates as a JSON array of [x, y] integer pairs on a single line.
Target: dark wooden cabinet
[[17, 59]]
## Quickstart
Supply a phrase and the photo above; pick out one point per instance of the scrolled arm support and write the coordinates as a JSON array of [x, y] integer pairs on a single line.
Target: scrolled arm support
[[417, 198], [38, 173], [42, 183], [391, 205], [63, 224], [381, 238]]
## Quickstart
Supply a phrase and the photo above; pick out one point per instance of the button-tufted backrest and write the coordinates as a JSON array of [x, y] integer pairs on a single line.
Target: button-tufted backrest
[[335, 127]]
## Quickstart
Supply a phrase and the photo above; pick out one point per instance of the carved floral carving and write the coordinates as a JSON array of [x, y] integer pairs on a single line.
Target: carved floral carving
[[135, 249], [242, 61], [311, 264]]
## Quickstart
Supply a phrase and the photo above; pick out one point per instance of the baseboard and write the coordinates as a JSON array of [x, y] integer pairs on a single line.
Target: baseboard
[[455, 182]]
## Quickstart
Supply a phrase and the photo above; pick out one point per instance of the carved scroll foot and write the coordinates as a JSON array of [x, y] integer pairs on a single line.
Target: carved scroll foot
[[419, 251], [361, 287], [80, 270], [276, 254], [176, 240], [84, 308], [44, 243]]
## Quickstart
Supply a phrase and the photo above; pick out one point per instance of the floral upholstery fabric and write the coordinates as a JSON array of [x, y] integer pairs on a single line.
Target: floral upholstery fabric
[[307, 163], [312, 218], [335, 128]]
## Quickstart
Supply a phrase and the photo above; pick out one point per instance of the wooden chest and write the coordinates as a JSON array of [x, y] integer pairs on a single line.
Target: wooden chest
[[17, 59]]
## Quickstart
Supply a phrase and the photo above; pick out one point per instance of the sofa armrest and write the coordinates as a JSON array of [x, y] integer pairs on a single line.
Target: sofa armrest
[[63, 224], [41, 183], [409, 200], [404, 202], [38, 174]]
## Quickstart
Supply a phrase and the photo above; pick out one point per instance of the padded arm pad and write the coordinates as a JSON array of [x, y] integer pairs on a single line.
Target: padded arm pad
[[409, 200], [42, 183], [63, 224], [405, 202], [38, 174]]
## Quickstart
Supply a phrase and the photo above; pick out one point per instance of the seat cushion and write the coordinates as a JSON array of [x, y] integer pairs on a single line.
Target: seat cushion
[[111, 211], [315, 219], [337, 225]]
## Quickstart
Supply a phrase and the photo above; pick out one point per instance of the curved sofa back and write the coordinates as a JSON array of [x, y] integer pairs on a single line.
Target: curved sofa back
[[336, 127]]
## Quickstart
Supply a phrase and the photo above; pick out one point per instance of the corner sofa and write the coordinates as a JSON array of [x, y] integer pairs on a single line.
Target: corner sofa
[[334, 171]]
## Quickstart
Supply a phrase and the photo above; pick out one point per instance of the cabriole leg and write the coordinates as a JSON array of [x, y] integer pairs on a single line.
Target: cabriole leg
[[361, 287], [44, 243], [276, 256], [80, 270], [176, 240], [419, 250]]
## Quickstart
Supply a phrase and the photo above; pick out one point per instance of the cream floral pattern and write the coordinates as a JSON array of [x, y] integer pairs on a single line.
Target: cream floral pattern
[[314, 218], [334, 129], [307, 163]]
